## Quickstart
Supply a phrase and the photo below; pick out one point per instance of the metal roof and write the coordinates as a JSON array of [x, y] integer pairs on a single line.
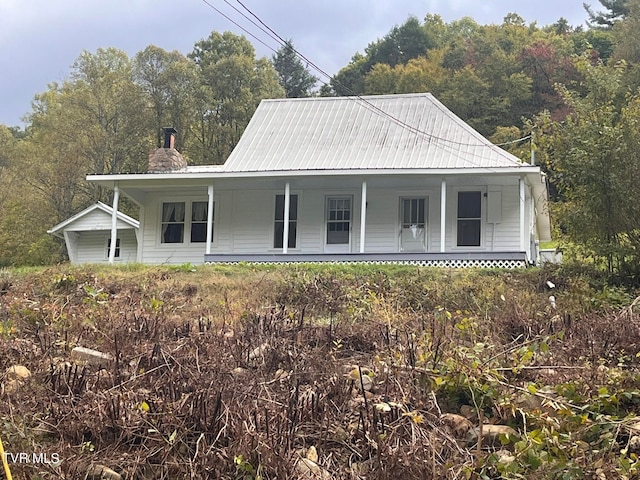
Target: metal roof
[[373, 132]]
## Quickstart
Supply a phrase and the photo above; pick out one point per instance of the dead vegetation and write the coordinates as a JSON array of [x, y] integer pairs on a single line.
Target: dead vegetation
[[318, 373]]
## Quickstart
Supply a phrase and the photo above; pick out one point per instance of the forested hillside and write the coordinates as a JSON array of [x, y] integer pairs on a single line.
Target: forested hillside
[[569, 92]]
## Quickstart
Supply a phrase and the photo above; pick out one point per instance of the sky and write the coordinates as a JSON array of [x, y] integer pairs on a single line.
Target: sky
[[41, 39]]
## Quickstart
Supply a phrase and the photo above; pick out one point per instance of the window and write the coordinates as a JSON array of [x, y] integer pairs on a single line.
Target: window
[[413, 213], [278, 228], [172, 222], [199, 211], [469, 218], [413, 224], [117, 255], [338, 220]]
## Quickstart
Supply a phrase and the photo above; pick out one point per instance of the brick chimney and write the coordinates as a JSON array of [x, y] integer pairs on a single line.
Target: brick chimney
[[169, 137], [167, 158]]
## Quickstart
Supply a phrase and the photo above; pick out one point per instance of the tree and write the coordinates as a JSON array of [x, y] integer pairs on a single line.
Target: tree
[[615, 11], [232, 81], [296, 80], [97, 122], [169, 81], [403, 43], [593, 159], [350, 79], [627, 35], [420, 74], [25, 217]]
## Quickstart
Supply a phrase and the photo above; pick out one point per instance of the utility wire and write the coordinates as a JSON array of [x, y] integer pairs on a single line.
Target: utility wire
[[239, 26], [263, 27]]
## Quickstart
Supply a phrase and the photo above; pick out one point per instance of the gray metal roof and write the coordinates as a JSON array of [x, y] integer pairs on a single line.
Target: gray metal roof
[[373, 132]]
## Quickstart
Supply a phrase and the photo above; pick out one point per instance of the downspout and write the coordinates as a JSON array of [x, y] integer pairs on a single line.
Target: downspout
[[443, 214], [139, 235], [363, 215], [114, 223], [285, 234], [522, 216], [209, 219]]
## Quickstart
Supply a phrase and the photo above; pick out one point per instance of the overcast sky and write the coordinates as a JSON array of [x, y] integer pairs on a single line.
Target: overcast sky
[[40, 39]]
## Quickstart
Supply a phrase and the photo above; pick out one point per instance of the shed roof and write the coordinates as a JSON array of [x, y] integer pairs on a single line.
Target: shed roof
[[100, 215], [373, 132]]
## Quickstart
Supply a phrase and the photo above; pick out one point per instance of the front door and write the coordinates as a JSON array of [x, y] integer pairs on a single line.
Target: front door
[[338, 224], [413, 224]]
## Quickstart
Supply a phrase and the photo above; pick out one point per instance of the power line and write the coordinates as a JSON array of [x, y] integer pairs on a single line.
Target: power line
[[238, 25], [263, 27]]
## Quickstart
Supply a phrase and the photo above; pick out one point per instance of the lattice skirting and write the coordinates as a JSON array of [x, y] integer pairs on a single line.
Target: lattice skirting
[[443, 263]]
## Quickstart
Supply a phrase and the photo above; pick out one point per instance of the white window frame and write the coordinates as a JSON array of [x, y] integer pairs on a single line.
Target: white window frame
[[339, 247], [188, 215]]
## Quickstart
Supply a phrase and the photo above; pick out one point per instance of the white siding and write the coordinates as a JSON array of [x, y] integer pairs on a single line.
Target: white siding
[[156, 252], [244, 219], [92, 246], [507, 233], [94, 221], [252, 221], [505, 238]]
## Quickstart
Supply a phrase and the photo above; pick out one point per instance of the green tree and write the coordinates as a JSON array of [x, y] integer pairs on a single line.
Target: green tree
[[401, 44], [615, 11], [94, 123], [294, 77], [350, 79], [232, 81], [25, 214], [169, 81], [593, 158]]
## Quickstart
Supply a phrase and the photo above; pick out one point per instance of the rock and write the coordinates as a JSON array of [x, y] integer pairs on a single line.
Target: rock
[[367, 383], [91, 357], [459, 425], [491, 435], [100, 472], [17, 372], [505, 457], [11, 386], [281, 375], [309, 469], [312, 454], [15, 377], [239, 372], [634, 444], [258, 352], [367, 378]]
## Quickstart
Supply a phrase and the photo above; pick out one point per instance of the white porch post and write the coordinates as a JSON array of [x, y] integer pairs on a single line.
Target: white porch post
[[443, 214], [285, 234], [114, 223], [522, 215], [363, 215], [209, 219]]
